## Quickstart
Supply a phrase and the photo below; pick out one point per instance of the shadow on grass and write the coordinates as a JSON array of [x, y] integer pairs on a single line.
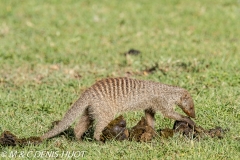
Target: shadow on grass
[[69, 134]]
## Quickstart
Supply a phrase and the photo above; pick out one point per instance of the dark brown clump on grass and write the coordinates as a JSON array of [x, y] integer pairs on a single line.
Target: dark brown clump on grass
[[132, 52], [217, 132], [187, 130], [142, 132], [116, 129], [166, 133], [9, 139], [197, 131]]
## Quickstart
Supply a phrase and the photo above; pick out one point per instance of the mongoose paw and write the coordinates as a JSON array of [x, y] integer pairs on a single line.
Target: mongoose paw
[[190, 122]]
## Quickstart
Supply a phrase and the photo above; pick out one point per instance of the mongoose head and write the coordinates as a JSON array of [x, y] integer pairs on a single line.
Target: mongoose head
[[187, 105]]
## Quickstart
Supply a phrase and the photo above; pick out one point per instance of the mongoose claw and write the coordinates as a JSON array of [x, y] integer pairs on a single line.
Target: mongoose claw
[[190, 122]]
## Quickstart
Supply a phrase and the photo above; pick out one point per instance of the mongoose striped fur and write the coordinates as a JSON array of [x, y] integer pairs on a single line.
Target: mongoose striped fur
[[108, 97]]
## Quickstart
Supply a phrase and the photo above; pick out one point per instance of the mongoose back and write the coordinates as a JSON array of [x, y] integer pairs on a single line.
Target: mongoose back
[[108, 97]]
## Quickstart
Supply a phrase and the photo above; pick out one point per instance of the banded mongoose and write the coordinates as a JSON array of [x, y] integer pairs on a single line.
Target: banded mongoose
[[111, 96]]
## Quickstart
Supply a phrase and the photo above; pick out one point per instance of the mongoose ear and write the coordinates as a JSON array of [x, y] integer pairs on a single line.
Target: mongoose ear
[[186, 95], [183, 97]]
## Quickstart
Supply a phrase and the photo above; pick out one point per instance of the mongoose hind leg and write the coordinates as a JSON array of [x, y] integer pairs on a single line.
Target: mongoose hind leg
[[149, 116], [82, 126], [100, 125], [176, 116]]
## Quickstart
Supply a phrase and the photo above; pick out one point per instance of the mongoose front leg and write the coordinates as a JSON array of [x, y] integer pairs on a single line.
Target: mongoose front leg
[[176, 116], [149, 116]]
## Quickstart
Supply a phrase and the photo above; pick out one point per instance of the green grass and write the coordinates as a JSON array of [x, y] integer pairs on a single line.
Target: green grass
[[51, 51]]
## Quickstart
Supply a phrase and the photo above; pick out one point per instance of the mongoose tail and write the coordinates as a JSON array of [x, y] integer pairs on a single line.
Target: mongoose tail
[[75, 111]]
